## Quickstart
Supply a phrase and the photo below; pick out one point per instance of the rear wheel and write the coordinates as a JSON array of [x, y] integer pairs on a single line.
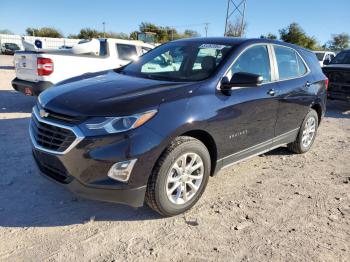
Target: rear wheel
[[307, 134], [179, 178]]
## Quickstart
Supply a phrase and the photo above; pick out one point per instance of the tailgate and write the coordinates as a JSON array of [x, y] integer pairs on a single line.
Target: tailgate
[[26, 66]]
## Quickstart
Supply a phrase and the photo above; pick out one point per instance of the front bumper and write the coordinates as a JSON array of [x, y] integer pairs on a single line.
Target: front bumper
[[83, 169], [129, 196], [30, 88]]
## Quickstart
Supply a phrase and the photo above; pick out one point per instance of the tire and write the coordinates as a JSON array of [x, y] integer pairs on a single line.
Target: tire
[[298, 146], [168, 167]]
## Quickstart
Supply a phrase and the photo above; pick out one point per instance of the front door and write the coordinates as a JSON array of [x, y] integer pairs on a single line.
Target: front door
[[250, 112]]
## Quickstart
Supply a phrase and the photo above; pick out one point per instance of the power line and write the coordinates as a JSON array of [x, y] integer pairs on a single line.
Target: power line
[[104, 29], [206, 29]]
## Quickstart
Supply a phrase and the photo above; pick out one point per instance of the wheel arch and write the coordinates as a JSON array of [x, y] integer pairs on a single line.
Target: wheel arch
[[210, 144], [318, 108]]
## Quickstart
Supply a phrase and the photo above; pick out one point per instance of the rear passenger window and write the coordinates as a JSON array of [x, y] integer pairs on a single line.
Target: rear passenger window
[[255, 60], [290, 64], [126, 52]]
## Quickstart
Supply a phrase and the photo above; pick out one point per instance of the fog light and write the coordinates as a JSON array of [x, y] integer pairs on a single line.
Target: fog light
[[121, 171]]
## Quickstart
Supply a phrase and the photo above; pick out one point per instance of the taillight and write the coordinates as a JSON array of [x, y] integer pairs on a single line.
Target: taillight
[[45, 66], [326, 82]]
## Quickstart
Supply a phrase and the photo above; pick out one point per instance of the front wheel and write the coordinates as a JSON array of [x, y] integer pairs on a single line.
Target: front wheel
[[179, 177], [307, 134]]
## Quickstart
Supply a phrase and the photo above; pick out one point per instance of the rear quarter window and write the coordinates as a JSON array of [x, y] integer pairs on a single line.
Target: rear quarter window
[[311, 60]]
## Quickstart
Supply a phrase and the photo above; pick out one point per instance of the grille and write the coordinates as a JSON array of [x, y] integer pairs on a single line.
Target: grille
[[51, 137]]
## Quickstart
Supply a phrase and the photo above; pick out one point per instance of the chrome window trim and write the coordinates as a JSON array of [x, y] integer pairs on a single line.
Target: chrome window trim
[[78, 134]]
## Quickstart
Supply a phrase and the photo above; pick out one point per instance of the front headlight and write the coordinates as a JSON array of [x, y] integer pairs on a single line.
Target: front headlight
[[120, 124]]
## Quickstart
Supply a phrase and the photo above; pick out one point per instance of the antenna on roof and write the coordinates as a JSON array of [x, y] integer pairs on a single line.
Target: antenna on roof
[[235, 10]]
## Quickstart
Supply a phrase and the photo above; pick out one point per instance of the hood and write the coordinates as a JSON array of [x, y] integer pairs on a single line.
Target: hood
[[108, 93]]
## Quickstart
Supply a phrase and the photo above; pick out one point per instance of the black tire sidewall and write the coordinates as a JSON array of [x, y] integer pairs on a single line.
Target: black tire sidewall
[[164, 203]]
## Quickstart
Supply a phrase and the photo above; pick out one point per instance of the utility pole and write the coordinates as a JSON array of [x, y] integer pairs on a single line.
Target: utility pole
[[104, 29], [206, 29], [236, 10]]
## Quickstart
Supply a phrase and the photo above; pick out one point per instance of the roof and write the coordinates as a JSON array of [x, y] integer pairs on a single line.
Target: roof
[[237, 41]]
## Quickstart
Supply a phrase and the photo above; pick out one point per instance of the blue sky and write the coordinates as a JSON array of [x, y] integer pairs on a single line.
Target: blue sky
[[319, 18]]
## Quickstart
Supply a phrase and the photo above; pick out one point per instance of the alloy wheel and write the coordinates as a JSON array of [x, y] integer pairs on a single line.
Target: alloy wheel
[[184, 178], [309, 132]]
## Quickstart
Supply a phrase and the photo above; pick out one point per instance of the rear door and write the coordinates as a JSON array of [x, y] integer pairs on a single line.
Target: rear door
[[295, 94], [26, 66]]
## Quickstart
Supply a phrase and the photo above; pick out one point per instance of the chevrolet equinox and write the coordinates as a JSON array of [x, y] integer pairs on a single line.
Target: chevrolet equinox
[[154, 130]]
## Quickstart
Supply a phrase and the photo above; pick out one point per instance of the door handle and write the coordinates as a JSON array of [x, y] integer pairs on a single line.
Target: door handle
[[271, 92], [308, 84]]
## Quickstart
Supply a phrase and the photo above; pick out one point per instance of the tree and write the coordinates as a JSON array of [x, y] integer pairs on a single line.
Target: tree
[[236, 29], [190, 33], [133, 35], [5, 32], [339, 42], [148, 27], [44, 32], [163, 33], [296, 35], [116, 35], [88, 33], [269, 36]]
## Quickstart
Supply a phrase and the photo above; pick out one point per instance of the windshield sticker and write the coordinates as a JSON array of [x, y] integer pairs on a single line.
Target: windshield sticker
[[213, 46]]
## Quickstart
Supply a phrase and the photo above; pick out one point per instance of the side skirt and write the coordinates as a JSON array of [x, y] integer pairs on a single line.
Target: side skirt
[[257, 150]]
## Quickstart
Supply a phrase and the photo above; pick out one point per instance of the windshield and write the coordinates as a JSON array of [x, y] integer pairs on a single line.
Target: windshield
[[179, 62], [11, 46], [342, 58], [320, 56]]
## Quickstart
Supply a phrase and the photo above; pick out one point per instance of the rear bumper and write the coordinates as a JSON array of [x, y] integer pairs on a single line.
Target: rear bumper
[[338, 95], [30, 88]]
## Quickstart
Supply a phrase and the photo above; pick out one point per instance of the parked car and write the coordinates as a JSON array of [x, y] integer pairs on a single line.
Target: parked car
[[40, 69], [324, 57], [338, 73], [132, 135], [9, 48]]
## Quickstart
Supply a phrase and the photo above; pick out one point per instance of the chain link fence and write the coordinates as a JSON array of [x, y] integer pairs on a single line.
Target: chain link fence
[[47, 42]]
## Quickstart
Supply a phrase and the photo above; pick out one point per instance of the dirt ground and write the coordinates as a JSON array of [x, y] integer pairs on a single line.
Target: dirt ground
[[275, 207]]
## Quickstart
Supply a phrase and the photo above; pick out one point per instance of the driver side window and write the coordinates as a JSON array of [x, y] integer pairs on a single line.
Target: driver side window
[[255, 60]]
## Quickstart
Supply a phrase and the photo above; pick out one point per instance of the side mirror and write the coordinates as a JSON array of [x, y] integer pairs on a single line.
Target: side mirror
[[326, 62], [241, 80]]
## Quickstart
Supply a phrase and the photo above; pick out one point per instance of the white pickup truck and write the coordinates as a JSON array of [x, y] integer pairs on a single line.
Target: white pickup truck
[[38, 70], [324, 57]]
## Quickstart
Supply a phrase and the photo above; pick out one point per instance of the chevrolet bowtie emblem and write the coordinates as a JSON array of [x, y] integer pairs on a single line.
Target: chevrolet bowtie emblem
[[43, 113]]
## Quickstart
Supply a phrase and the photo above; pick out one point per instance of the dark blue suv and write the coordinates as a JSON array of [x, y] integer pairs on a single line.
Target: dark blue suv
[[156, 129]]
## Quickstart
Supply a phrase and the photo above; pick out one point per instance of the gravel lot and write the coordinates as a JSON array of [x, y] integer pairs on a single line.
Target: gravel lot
[[275, 207]]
